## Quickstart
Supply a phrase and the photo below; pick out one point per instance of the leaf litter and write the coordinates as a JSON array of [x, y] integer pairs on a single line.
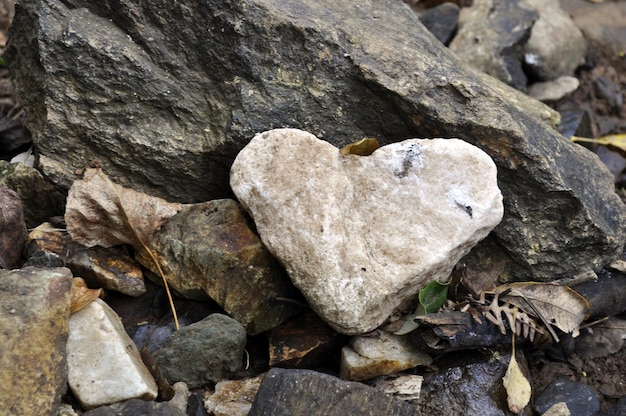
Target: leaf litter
[[101, 212]]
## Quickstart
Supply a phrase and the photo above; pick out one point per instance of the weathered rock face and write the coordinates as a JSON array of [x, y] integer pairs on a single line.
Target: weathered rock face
[[208, 250], [165, 100], [34, 316], [361, 235], [491, 37], [12, 229], [297, 392]]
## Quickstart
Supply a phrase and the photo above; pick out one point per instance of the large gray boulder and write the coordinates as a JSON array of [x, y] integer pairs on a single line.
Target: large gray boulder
[[163, 97]]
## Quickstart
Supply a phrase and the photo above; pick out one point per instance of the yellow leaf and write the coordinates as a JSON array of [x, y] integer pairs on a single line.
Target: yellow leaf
[[614, 140], [82, 295], [517, 387], [363, 147]]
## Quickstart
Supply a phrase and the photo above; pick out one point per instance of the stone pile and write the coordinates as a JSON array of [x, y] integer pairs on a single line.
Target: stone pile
[[171, 104]]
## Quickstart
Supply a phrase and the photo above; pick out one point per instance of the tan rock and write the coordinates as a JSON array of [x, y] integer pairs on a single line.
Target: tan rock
[[361, 235], [34, 315]]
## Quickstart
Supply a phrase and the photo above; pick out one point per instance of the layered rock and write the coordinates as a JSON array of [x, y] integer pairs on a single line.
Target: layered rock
[[361, 235], [183, 90]]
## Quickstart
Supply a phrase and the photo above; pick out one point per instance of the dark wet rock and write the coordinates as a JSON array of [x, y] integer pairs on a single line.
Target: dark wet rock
[[298, 392], [186, 88], [208, 251], [441, 21], [134, 407], [12, 229], [471, 384], [40, 197], [34, 317], [207, 351], [608, 90], [491, 38], [153, 337], [556, 46], [581, 399]]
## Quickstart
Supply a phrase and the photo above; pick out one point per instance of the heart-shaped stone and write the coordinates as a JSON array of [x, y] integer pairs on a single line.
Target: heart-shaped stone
[[361, 235]]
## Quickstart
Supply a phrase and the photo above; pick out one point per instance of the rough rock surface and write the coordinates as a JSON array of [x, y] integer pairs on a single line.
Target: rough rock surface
[[206, 351], [104, 365], [361, 235], [491, 38], [40, 197], [208, 250], [470, 385], [12, 229], [556, 47], [168, 107], [34, 315], [306, 392], [232, 397], [379, 353]]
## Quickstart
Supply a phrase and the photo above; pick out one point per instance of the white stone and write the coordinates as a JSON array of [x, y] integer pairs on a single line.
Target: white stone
[[379, 353], [104, 365], [361, 235]]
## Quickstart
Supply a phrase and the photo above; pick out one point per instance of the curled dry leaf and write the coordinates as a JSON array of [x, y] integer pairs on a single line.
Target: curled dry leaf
[[100, 212], [554, 304], [82, 295]]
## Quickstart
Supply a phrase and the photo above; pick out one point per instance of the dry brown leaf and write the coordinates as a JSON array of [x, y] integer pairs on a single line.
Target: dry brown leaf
[[82, 295], [554, 304], [100, 212]]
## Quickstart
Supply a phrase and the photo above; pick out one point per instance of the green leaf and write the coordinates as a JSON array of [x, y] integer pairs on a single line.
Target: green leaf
[[431, 298]]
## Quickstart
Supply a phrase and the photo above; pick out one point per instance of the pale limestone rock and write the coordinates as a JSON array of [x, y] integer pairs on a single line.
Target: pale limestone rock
[[361, 235], [104, 365], [377, 354], [553, 90]]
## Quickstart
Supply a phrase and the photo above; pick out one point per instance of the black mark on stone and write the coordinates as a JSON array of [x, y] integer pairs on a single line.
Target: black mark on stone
[[466, 208], [413, 152]]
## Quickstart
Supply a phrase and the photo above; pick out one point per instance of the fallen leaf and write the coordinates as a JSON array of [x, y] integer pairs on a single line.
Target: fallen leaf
[[517, 387], [553, 304], [82, 295], [101, 212], [431, 298], [617, 141], [363, 147]]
